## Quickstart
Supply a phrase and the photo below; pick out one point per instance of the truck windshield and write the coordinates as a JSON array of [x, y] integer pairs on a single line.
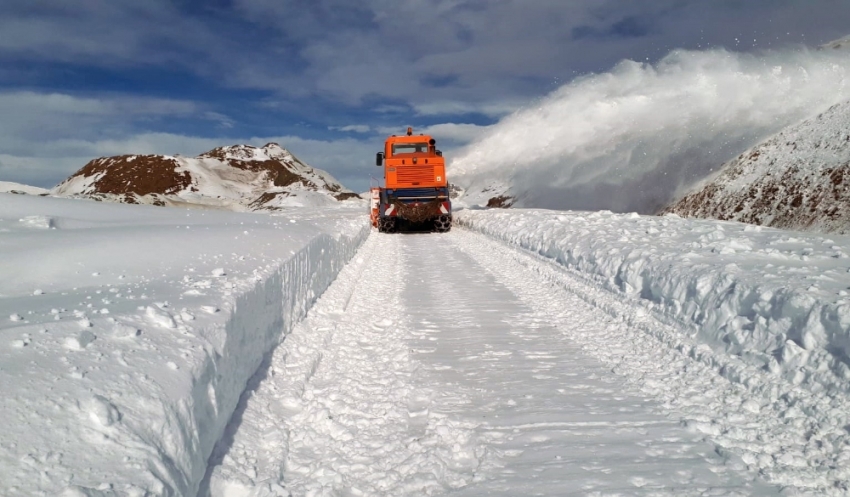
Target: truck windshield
[[409, 148]]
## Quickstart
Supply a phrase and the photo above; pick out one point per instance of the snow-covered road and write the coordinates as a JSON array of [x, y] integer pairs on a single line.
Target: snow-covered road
[[151, 351], [443, 364]]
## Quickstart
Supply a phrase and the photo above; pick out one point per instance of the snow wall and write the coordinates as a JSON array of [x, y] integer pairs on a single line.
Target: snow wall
[[257, 322], [130, 333], [772, 299]]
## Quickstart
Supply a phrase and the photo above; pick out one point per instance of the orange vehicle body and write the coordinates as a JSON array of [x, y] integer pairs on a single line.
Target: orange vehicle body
[[416, 190], [412, 162]]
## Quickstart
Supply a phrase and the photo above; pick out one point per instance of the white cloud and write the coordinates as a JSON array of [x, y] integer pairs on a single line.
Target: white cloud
[[28, 118], [355, 128], [491, 109], [222, 120]]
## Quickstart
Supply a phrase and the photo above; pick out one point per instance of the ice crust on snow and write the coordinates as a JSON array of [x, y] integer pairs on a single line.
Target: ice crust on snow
[[120, 380]]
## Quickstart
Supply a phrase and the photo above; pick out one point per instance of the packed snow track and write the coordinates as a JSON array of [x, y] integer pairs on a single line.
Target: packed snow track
[[453, 364]]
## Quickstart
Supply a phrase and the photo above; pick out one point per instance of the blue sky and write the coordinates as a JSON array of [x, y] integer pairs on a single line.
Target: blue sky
[[328, 79]]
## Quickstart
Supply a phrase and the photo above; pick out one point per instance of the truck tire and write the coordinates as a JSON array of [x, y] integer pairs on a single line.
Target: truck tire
[[443, 224]]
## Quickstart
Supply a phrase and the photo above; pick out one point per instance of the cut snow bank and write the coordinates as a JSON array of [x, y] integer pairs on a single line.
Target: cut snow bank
[[128, 333], [777, 300]]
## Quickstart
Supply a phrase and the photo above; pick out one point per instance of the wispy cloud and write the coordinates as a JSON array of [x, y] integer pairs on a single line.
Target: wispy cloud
[[354, 128], [223, 121]]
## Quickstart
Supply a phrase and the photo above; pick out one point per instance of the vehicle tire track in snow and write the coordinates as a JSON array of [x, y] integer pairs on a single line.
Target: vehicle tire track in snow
[[555, 420], [339, 413]]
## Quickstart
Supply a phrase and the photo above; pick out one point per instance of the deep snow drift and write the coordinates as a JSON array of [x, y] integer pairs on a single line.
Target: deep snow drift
[[129, 332], [635, 138]]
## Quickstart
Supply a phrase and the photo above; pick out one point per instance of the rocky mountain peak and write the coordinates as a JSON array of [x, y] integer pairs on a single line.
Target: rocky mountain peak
[[269, 151], [239, 177]]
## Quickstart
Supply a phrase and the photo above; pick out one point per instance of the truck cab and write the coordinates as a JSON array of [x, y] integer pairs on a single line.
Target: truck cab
[[415, 187]]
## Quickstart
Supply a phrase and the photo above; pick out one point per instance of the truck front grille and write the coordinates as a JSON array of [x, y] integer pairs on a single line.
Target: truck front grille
[[412, 175]]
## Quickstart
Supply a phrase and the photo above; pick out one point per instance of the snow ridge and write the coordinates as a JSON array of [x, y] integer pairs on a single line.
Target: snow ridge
[[10, 187]]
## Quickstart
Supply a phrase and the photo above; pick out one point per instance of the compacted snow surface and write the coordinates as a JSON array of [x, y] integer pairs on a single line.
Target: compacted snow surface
[[153, 351]]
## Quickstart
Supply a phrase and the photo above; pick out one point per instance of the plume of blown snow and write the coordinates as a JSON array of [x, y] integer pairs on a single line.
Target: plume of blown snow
[[634, 138]]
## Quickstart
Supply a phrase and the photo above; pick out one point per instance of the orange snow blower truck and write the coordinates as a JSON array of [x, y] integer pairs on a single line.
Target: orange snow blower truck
[[415, 191]]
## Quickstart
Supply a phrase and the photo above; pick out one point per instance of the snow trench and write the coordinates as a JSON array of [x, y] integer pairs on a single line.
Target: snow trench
[[168, 432], [129, 333], [258, 321]]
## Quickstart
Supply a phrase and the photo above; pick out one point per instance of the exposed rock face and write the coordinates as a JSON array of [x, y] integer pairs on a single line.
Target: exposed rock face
[[239, 177], [501, 202], [799, 180]]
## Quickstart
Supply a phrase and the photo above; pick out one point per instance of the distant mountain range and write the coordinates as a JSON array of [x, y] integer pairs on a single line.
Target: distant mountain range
[[799, 179], [239, 177]]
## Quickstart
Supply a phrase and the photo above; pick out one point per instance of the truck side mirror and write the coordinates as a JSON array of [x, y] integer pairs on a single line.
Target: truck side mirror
[[379, 159]]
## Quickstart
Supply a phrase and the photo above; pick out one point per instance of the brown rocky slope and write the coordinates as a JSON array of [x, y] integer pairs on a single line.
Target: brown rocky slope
[[239, 177], [799, 180]]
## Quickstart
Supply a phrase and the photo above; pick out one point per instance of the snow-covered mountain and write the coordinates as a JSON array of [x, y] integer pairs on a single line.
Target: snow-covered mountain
[[238, 177], [799, 179], [10, 187]]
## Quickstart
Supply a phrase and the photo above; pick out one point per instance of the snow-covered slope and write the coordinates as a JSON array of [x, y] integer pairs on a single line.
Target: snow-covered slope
[[798, 179], [9, 187], [239, 177]]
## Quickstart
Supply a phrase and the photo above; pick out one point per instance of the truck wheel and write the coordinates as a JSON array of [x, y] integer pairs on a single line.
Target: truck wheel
[[443, 224], [387, 225]]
